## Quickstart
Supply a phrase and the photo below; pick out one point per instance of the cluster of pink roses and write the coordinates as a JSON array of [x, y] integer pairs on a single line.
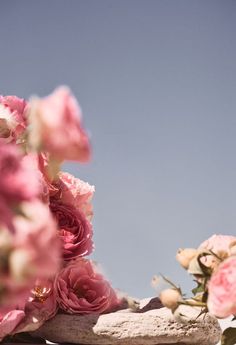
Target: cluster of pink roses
[[45, 215], [213, 265]]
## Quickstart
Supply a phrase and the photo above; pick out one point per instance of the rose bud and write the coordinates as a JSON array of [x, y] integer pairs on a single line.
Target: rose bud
[[184, 256], [232, 249], [170, 298]]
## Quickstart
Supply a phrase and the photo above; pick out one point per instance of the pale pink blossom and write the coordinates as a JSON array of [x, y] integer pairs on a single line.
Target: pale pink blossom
[[12, 119], [74, 229], [56, 126], [37, 246], [81, 289], [222, 289], [19, 181], [218, 243]]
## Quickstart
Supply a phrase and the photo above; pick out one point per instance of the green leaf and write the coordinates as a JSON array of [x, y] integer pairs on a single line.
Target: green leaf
[[229, 336], [199, 288]]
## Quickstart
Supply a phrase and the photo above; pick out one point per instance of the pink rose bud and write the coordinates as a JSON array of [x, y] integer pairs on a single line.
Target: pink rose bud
[[170, 298], [184, 256], [57, 128], [222, 289], [81, 289]]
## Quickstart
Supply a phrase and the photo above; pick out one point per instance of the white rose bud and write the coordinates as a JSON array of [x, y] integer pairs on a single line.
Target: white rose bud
[[170, 298], [184, 256]]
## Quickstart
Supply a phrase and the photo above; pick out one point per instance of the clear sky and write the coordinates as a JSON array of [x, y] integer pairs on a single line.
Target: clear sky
[[156, 81]]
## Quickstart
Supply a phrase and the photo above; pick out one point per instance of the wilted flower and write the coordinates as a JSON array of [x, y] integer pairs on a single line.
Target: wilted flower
[[222, 289], [56, 126], [81, 289]]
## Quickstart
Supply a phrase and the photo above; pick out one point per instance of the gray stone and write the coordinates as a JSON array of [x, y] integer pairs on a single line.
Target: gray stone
[[148, 326]]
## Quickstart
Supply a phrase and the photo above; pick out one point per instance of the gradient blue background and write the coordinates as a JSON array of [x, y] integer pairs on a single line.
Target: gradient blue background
[[156, 81]]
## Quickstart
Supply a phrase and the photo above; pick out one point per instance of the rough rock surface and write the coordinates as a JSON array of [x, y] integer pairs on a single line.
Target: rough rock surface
[[148, 326]]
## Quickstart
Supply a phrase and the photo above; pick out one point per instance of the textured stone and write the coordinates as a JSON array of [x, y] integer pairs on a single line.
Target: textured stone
[[125, 327]]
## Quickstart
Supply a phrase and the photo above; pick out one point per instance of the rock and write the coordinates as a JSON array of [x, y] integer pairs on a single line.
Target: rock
[[124, 327]]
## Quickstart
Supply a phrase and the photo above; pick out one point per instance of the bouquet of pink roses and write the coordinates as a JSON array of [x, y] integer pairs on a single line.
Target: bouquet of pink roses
[[213, 266], [45, 216]]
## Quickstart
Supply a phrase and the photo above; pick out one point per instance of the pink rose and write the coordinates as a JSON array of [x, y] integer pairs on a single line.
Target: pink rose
[[9, 320], [75, 230], [32, 251], [222, 289], [218, 243], [81, 289], [56, 126], [19, 181], [12, 119], [37, 246], [73, 191]]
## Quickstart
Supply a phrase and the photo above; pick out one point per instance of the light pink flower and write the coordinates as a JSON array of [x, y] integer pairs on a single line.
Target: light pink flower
[[18, 181], [75, 230], [73, 191], [81, 289], [12, 119], [56, 126], [218, 243], [222, 289], [9, 320], [37, 246]]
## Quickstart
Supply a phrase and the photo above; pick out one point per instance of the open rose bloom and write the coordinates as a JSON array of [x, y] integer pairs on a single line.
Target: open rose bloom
[[45, 215]]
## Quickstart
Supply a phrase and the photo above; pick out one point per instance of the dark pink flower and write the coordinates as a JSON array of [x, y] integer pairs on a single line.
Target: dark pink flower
[[56, 126], [222, 289], [81, 289], [74, 230], [12, 119]]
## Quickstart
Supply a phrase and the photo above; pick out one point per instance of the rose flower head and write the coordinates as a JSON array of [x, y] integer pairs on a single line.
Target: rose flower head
[[56, 126], [81, 289], [222, 289], [19, 181], [12, 119]]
